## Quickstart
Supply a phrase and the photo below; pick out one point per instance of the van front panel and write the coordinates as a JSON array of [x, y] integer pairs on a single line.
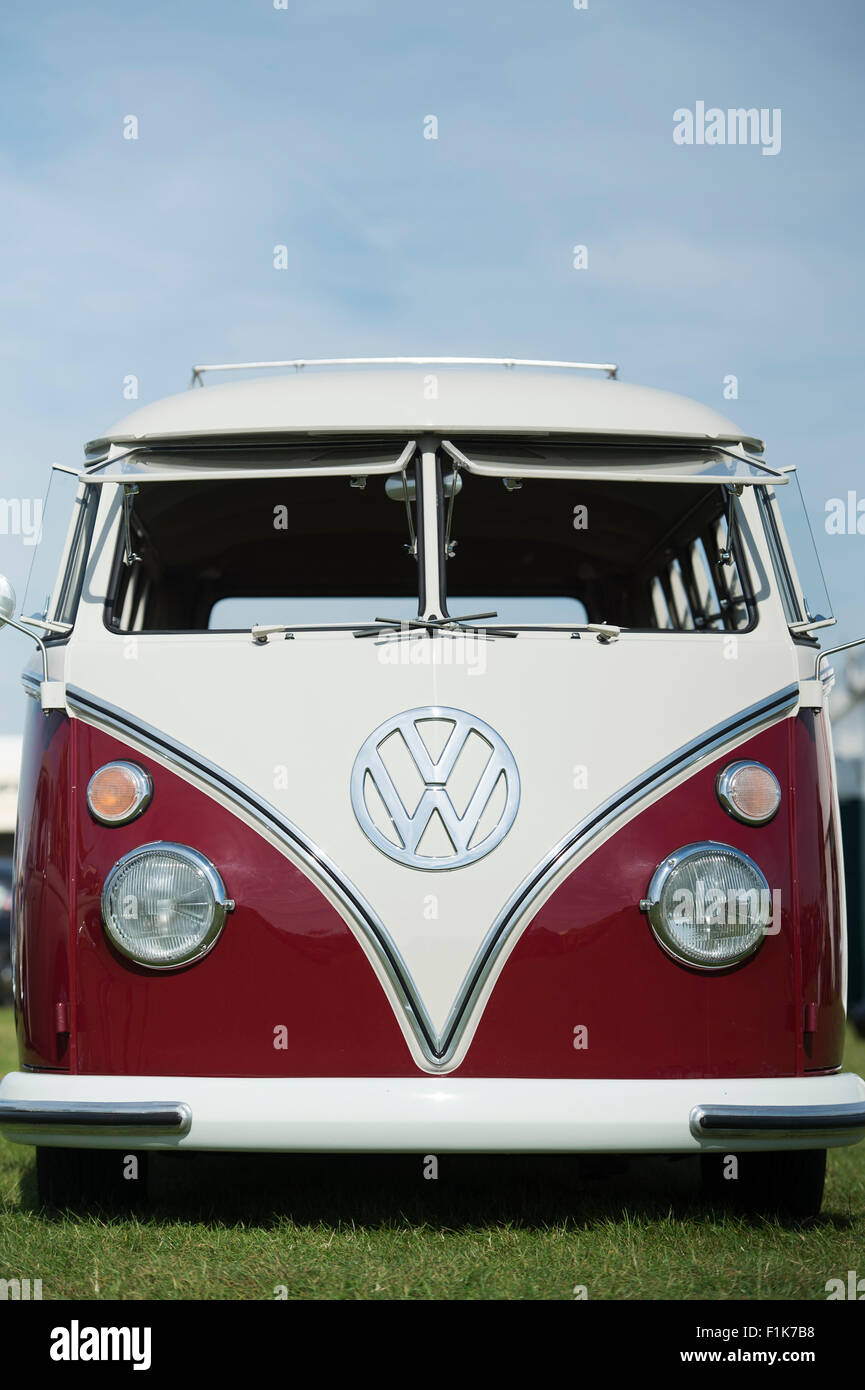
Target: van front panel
[[291, 990]]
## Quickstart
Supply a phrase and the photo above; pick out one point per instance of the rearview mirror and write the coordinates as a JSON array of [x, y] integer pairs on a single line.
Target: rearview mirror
[[7, 600], [399, 488], [7, 609]]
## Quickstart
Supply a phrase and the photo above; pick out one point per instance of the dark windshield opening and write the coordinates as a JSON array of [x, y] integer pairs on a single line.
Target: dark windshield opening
[[638, 555], [306, 548], [340, 549]]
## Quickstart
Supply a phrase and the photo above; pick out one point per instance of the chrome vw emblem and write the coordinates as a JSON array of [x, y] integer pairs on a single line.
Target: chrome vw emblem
[[435, 788]]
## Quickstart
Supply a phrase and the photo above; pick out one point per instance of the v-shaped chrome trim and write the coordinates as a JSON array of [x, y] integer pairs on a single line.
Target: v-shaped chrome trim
[[439, 1049]]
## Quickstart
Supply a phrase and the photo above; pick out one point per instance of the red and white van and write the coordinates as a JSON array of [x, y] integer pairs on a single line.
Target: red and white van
[[430, 755]]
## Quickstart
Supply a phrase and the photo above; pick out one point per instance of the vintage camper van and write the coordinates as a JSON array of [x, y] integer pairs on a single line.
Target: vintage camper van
[[429, 755]]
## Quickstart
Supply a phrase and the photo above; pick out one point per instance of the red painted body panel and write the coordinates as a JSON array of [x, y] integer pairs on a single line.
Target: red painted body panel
[[287, 959], [44, 883], [818, 840], [589, 959]]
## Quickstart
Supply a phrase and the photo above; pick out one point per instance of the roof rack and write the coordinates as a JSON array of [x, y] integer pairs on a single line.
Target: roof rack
[[610, 368]]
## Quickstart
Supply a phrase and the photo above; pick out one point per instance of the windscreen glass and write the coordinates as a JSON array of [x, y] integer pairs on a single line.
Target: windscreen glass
[[650, 556], [302, 550], [215, 555]]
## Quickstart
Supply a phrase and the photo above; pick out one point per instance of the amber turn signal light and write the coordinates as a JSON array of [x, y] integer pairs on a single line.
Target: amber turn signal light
[[118, 792], [749, 791]]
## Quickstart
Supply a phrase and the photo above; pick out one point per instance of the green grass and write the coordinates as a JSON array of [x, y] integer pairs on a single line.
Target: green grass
[[235, 1227]]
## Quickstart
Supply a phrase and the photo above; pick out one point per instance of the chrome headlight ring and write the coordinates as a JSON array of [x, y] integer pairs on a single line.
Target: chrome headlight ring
[[656, 910], [162, 855]]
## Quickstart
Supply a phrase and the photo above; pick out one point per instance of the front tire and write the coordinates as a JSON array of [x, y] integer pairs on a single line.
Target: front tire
[[787, 1182], [82, 1178]]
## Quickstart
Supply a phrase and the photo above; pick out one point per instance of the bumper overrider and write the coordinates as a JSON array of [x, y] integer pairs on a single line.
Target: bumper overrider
[[432, 1113]]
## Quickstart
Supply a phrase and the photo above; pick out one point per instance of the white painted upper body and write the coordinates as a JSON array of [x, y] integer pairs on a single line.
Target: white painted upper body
[[426, 397]]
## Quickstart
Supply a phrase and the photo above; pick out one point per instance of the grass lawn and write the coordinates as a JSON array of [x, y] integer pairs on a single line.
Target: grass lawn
[[234, 1227]]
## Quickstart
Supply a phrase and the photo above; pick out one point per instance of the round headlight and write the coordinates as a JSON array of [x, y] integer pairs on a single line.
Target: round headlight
[[749, 791], [164, 905], [118, 792], [709, 905]]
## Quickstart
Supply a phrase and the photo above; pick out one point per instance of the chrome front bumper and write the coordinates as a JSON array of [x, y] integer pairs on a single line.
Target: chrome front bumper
[[431, 1114], [148, 1118], [822, 1122]]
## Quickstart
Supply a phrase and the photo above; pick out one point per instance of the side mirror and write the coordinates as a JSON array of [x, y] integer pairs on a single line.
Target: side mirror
[[399, 488], [7, 619], [7, 600]]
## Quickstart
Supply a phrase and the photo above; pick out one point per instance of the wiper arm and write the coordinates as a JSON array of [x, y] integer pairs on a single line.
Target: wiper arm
[[461, 622], [262, 632]]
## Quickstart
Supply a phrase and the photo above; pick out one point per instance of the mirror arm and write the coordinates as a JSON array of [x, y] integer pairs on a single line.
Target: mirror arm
[[830, 651], [34, 636]]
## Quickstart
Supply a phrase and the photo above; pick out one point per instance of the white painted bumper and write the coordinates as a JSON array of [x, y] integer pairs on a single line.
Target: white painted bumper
[[431, 1114]]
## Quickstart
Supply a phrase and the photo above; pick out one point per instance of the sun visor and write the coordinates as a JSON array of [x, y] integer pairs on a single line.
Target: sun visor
[[228, 465], [612, 464]]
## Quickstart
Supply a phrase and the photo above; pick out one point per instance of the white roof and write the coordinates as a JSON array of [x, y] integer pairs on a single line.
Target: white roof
[[473, 400]]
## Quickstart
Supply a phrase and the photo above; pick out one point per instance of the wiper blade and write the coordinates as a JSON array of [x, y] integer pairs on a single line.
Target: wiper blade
[[461, 622], [261, 632]]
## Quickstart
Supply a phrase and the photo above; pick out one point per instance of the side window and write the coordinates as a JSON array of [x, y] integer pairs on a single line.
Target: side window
[[86, 507], [707, 605], [736, 597], [794, 556], [135, 591], [696, 591], [660, 607], [681, 608], [60, 522], [728, 582]]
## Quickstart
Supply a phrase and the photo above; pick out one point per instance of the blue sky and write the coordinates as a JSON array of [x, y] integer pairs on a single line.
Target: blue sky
[[304, 127]]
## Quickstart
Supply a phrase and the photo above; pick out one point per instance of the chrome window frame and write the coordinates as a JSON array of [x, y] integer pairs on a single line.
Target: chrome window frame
[[784, 562]]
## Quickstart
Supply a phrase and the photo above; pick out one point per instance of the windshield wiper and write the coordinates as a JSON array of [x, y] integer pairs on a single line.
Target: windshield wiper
[[461, 622], [262, 632]]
